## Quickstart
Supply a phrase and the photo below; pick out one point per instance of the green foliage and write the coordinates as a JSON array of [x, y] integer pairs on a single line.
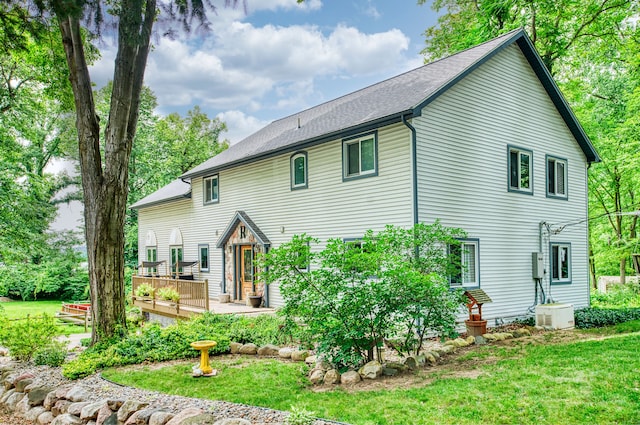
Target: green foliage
[[144, 290], [617, 296], [299, 416], [57, 277], [52, 354], [586, 318], [168, 293], [353, 295], [153, 343], [25, 336]]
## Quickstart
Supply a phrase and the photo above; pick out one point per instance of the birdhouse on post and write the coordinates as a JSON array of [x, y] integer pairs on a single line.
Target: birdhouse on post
[[476, 326]]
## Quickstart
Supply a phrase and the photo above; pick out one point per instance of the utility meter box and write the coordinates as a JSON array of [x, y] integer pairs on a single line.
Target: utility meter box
[[557, 316], [537, 265]]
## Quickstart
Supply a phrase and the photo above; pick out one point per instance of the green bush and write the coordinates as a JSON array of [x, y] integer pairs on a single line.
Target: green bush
[[25, 336], [617, 296], [590, 317], [51, 355]]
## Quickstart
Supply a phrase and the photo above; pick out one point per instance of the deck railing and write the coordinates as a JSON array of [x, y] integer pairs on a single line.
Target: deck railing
[[194, 295]]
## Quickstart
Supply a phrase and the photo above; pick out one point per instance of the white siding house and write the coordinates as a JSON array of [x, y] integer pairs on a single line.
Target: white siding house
[[481, 140]]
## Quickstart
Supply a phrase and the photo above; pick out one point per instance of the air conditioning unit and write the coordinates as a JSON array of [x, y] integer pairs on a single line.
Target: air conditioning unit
[[557, 316]]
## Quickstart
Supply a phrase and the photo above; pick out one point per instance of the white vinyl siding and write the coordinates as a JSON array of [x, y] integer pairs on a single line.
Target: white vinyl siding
[[280, 212], [462, 142]]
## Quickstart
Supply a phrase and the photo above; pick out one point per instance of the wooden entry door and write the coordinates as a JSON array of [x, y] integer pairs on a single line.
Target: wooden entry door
[[246, 270]]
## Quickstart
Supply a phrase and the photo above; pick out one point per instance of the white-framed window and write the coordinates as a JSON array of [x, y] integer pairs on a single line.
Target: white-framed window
[[360, 156], [203, 251], [152, 255], [465, 257], [560, 260], [176, 256], [211, 187], [556, 177], [299, 170], [520, 170]]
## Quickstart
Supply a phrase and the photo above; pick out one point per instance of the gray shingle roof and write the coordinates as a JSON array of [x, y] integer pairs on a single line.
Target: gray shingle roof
[[177, 189], [383, 103]]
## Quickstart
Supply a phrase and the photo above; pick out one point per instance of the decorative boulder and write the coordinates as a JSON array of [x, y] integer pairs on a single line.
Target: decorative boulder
[[470, 340], [66, 419], [184, 415], [299, 355], [371, 370], [21, 384], [317, 376], [248, 349], [285, 352], [76, 394], [311, 360], [127, 409], [45, 418], [233, 421], [235, 347], [160, 418], [269, 350], [388, 371], [519, 333], [332, 377], [350, 378], [410, 363]]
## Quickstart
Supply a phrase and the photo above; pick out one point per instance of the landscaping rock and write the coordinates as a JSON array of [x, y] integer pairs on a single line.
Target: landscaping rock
[[233, 421], [519, 333], [76, 408], [66, 419], [470, 340], [45, 418], [37, 395], [50, 400], [235, 347], [248, 349], [410, 363], [299, 355], [371, 370], [446, 349], [110, 420], [104, 413], [350, 378], [6, 395], [22, 384], [91, 410], [311, 360], [395, 365], [76, 394], [184, 415], [33, 413], [13, 400], [115, 404], [160, 418], [285, 352], [22, 407], [269, 350], [332, 377], [435, 354], [431, 358], [480, 340], [201, 419], [8, 381], [387, 371], [141, 417], [127, 409], [421, 359], [60, 407], [489, 337], [317, 376], [62, 392]]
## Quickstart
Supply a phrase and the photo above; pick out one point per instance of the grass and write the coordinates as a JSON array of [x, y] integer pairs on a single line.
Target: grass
[[592, 380], [22, 309]]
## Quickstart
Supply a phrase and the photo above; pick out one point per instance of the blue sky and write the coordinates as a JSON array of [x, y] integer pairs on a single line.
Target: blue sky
[[277, 59], [281, 57]]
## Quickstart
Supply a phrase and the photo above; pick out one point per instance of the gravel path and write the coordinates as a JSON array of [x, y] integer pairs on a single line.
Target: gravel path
[[99, 388]]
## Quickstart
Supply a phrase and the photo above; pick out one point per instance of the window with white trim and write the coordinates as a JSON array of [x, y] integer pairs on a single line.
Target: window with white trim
[[299, 171], [203, 251], [556, 177], [465, 258], [560, 262], [359, 156], [520, 166], [211, 189], [152, 255]]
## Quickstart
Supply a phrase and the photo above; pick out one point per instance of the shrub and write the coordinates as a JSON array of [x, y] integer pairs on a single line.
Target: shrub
[[617, 296], [353, 295], [52, 354], [25, 336], [590, 317], [299, 416]]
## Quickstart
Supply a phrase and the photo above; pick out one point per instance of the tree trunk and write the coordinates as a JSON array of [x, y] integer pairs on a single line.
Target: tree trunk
[[105, 186]]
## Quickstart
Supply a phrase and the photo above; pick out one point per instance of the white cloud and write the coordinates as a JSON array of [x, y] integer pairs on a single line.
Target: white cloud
[[372, 11], [240, 125]]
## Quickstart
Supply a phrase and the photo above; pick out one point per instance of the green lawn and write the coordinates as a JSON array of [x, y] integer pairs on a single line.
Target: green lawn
[[22, 309], [588, 381]]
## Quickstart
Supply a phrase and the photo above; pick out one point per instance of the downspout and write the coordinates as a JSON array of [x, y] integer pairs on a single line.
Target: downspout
[[224, 269], [414, 166], [266, 287]]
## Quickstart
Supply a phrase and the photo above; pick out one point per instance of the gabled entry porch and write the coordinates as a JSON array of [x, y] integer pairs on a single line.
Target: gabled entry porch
[[241, 241]]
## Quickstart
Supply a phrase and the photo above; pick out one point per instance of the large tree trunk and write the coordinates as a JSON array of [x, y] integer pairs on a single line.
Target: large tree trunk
[[105, 185]]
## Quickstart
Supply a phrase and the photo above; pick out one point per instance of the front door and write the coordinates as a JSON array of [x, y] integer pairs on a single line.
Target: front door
[[246, 271]]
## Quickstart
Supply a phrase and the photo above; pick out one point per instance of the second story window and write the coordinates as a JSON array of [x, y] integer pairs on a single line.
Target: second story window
[[211, 190], [360, 156], [556, 177], [520, 166], [299, 171]]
